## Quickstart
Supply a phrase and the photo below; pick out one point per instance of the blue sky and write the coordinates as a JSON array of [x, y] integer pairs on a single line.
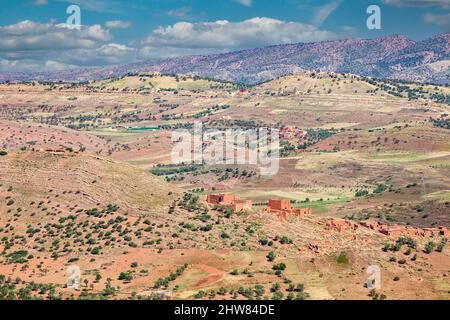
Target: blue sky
[[33, 36]]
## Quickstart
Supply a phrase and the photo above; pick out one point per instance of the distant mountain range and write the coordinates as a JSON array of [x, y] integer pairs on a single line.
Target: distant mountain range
[[395, 57]]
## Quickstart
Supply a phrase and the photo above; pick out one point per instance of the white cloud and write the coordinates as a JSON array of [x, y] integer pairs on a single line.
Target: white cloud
[[222, 34], [325, 11], [55, 65], [111, 53], [28, 36], [247, 3], [32, 46], [441, 20], [28, 65], [118, 24], [180, 12], [41, 2], [419, 3], [96, 5]]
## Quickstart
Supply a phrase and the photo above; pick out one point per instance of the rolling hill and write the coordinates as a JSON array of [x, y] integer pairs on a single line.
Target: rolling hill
[[68, 181]]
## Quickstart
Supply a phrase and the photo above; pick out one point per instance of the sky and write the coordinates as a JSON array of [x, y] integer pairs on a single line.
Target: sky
[[35, 35]]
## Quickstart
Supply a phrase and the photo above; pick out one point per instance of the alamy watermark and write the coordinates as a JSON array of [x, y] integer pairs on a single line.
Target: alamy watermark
[[374, 277], [74, 20], [374, 20], [73, 277], [258, 147]]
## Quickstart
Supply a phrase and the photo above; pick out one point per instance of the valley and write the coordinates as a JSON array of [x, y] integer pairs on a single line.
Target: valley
[[87, 179]]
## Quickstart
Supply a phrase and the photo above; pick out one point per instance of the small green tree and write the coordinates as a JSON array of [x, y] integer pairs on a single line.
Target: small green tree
[[429, 247], [126, 276], [109, 289], [271, 256], [222, 291], [259, 290], [342, 259], [280, 266]]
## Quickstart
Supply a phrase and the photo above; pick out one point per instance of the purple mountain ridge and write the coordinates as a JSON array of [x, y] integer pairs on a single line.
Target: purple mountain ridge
[[395, 57]]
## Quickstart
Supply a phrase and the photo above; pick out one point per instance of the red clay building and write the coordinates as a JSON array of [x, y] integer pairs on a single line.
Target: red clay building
[[279, 205], [284, 209], [229, 201], [241, 205], [340, 225], [224, 199]]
